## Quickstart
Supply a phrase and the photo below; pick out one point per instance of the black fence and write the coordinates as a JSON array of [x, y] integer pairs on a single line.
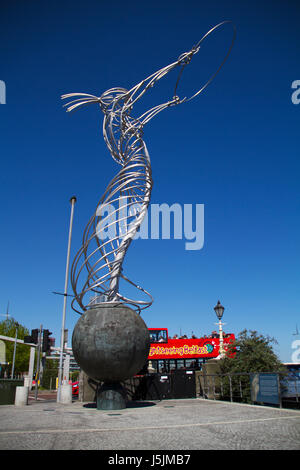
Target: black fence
[[178, 384], [8, 390]]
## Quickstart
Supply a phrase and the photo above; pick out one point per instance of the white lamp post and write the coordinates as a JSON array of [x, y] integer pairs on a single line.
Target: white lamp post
[[15, 347], [60, 370], [219, 309]]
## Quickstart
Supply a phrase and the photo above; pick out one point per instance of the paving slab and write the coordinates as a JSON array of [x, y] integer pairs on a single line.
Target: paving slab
[[190, 424]]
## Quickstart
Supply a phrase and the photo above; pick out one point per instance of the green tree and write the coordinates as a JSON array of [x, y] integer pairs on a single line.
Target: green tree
[[251, 352], [50, 373], [8, 328]]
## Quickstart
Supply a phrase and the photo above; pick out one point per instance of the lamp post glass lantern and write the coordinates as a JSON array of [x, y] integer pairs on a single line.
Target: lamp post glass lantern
[[219, 309]]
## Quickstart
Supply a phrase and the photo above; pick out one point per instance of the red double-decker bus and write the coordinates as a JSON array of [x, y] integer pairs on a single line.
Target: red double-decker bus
[[167, 354]]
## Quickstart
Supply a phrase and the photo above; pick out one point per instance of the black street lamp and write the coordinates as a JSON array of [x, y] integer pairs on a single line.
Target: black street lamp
[[219, 309]]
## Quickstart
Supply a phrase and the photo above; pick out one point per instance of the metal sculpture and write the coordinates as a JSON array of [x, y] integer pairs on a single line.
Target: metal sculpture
[[130, 190]]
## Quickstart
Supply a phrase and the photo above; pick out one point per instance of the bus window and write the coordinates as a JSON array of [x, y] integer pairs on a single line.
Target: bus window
[[155, 365], [158, 336], [153, 337], [162, 367], [190, 363]]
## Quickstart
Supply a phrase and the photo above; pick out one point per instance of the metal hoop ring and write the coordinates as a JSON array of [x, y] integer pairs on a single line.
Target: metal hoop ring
[[195, 49]]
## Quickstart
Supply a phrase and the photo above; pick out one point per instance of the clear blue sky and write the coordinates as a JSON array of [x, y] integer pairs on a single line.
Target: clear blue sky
[[234, 149]]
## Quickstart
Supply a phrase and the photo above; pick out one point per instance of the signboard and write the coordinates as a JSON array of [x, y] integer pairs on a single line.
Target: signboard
[[291, 384], [264, 388], [182, 349], [291, 387]]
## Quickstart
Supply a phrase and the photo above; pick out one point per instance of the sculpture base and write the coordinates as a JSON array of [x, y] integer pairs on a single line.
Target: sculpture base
[[111, 396]]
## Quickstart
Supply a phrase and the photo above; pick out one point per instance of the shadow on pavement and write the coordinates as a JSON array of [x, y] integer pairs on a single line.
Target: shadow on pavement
[[131, 404]]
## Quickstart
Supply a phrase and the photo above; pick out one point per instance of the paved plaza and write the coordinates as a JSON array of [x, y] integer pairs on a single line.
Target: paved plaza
[[190, 424]]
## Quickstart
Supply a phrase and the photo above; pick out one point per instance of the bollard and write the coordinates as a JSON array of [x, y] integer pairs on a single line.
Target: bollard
[[26, 381], [66, 393], [21, 398]]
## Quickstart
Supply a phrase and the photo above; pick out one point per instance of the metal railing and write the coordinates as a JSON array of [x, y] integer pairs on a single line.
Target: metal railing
[[236, 387]]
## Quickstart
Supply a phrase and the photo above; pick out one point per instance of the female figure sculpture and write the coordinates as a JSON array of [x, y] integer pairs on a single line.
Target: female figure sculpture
[[131, 187]]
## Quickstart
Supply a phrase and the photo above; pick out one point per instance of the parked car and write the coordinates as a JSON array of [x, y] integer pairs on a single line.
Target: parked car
[[75, 388]]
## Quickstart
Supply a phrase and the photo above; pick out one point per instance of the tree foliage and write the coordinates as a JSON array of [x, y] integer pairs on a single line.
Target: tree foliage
[[8, 328], [50, 373], [253, 352]]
